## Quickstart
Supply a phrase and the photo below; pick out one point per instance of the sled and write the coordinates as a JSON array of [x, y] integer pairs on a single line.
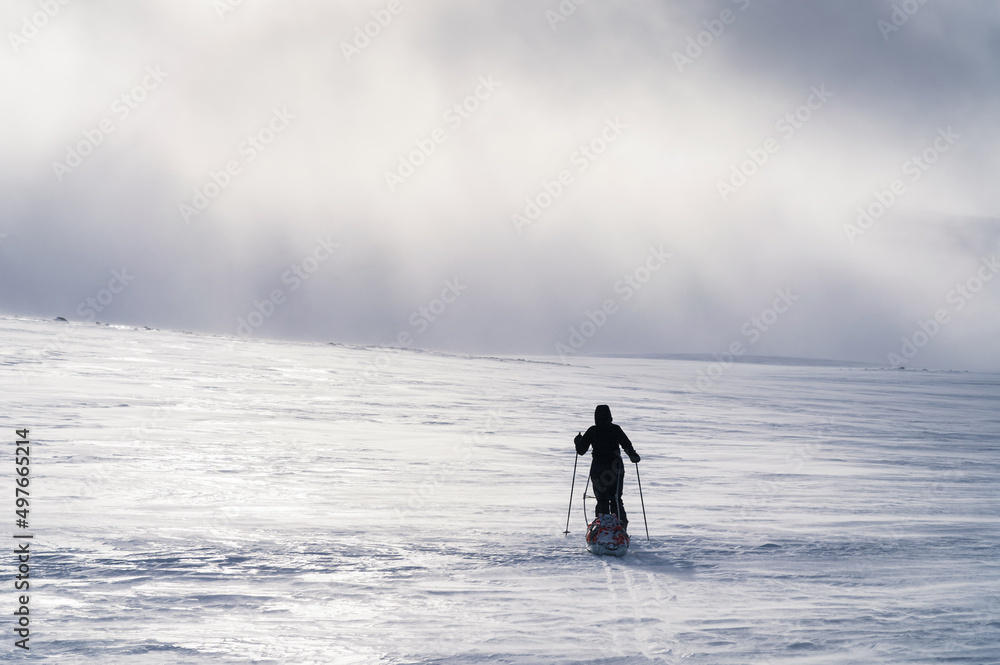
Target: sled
[[607, 536]]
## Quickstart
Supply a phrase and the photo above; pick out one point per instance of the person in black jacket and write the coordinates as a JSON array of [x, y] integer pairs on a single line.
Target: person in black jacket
[[607, 473]]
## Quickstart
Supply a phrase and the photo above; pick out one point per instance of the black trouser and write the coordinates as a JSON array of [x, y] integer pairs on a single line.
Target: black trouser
[[608, 480]]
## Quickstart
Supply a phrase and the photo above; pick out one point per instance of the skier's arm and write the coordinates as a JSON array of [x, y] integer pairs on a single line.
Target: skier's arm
[[627, 446], [581, 444]]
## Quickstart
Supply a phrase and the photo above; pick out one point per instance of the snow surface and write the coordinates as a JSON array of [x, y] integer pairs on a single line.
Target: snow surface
[[202, 499]]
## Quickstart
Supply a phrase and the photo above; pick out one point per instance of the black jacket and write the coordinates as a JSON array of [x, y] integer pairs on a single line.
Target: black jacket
[[606, 439]]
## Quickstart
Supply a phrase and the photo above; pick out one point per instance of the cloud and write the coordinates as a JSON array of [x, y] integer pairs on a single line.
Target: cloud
[[559, 84]]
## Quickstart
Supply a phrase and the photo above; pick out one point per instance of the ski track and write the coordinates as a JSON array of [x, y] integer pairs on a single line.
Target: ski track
[[200, 499]]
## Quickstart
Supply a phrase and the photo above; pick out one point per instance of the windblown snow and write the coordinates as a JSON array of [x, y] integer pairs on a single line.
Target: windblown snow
[[201, 499]]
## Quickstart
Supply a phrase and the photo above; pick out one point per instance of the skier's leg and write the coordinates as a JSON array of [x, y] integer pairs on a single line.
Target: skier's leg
[[595, 483], [622, 515], [603, 490]]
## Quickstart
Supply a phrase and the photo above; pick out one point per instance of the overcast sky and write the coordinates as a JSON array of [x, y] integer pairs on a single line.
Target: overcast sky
[[640, 177]]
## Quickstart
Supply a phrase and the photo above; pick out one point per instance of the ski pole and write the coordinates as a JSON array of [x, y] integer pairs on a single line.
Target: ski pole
[[641, 499], [585, 487], [576, 458]]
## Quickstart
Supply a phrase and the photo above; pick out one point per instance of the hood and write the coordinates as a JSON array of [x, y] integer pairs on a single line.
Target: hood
[[602, 414]]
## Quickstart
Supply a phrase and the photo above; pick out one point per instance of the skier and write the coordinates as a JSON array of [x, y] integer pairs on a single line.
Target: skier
[[607, 473]]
